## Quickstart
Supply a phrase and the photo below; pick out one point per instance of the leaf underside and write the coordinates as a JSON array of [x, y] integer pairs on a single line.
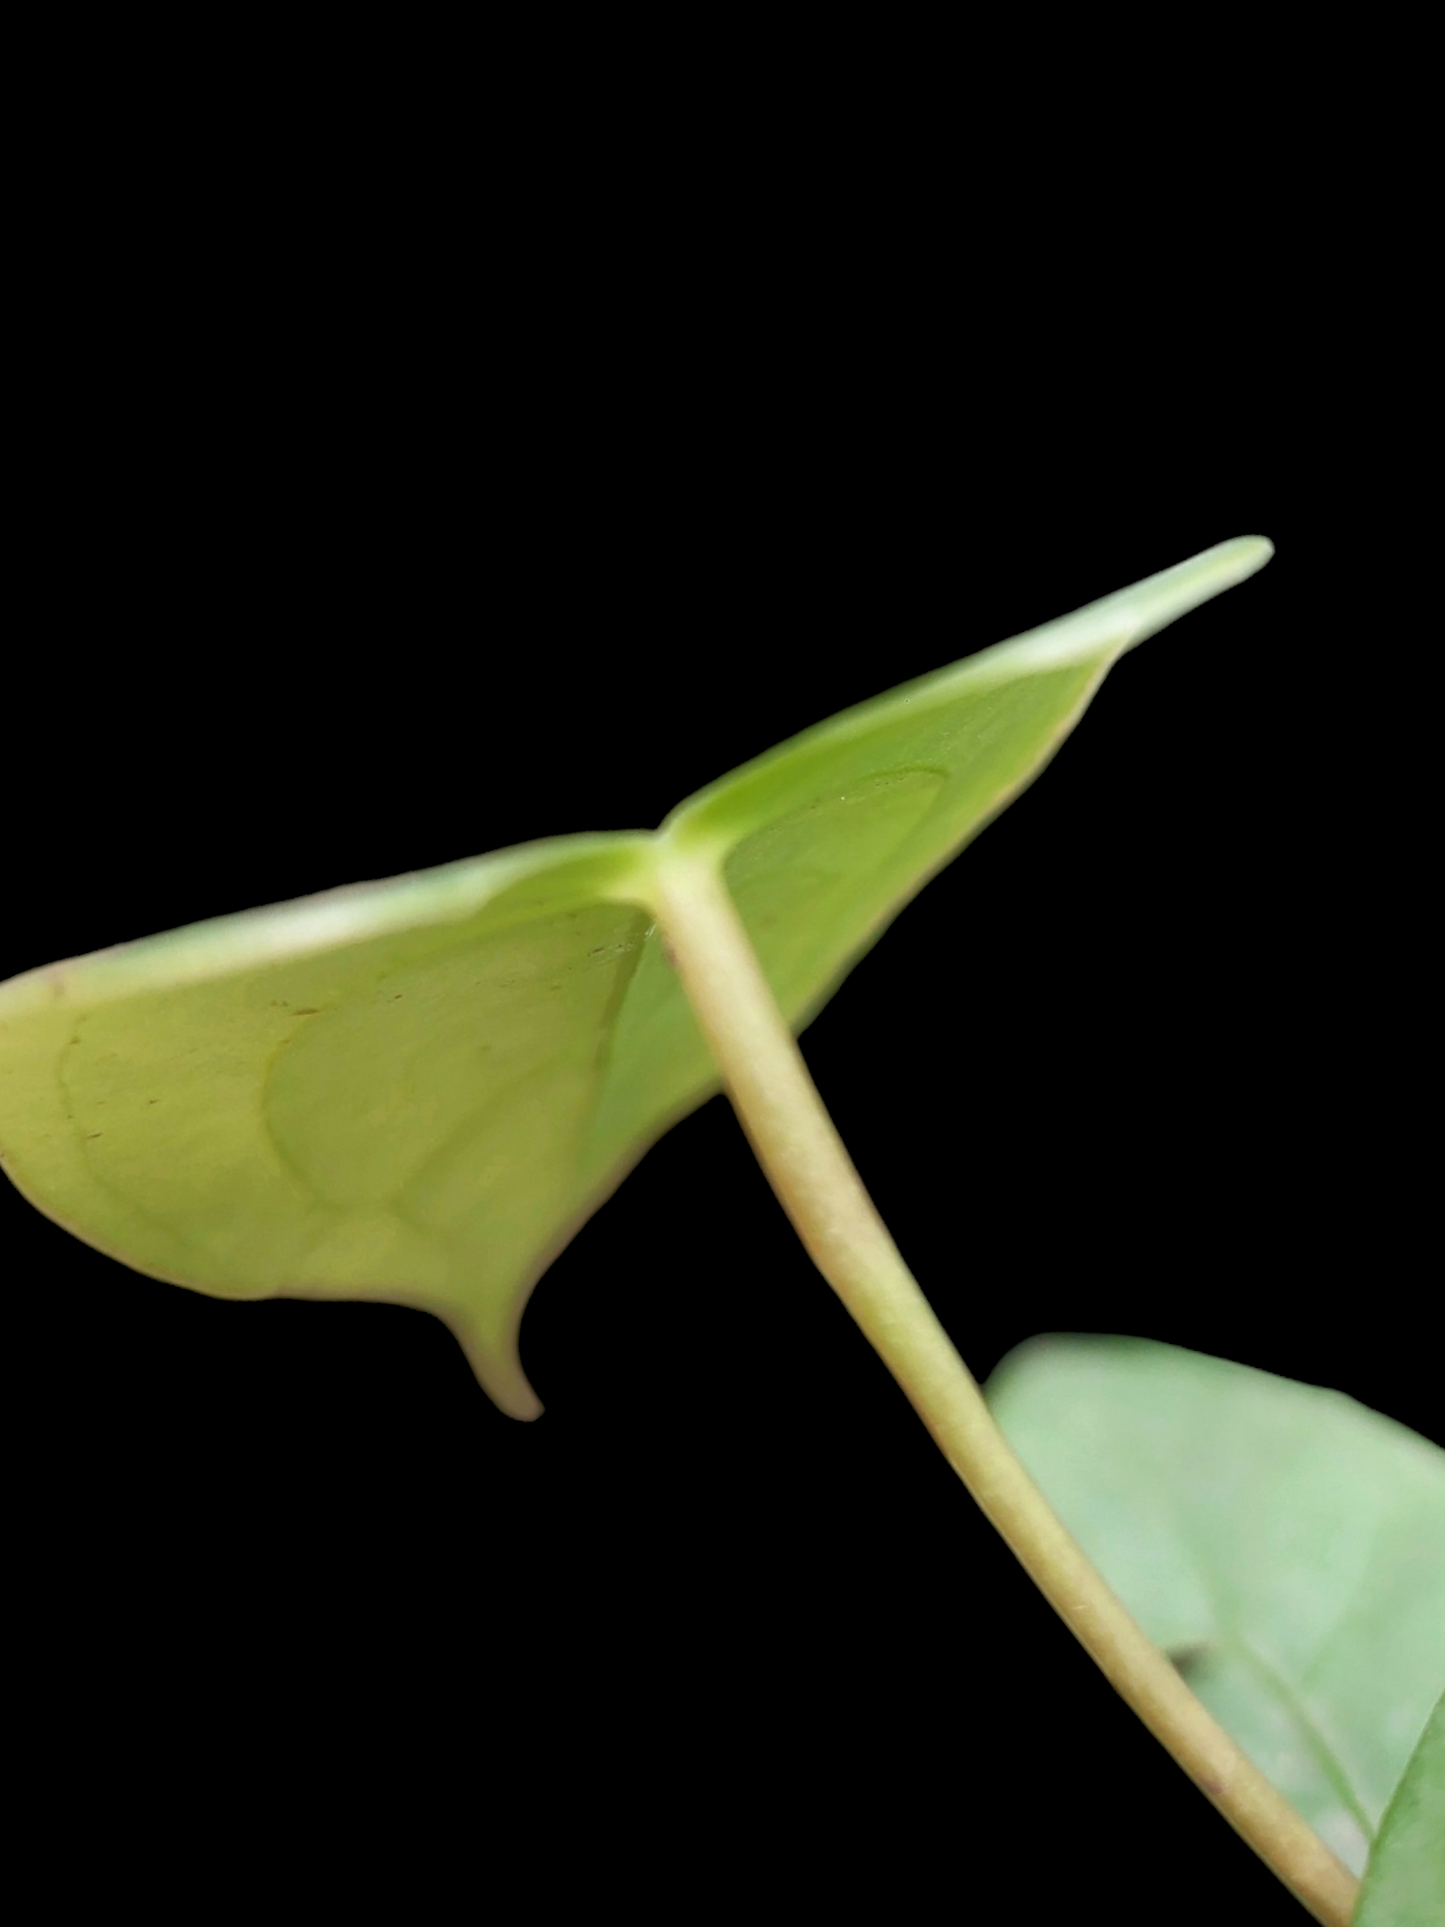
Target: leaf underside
[[1285, 1544], [417, 1090]]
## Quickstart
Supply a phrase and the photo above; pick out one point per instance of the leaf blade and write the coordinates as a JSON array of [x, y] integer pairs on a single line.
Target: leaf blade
[[165, 1086], [247, 1107], [1284, 1542], [1405, 1883]]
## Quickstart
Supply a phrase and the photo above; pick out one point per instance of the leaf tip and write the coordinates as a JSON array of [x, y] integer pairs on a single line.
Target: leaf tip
[[1152, 604], [498, 1372], [1251, 552]]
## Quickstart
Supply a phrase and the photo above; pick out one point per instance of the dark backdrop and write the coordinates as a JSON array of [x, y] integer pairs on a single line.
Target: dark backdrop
[[319, 603]]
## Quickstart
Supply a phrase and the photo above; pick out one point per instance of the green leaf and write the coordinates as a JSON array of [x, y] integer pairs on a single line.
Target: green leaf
[[417, 1090], [1405, 1885], [1284, 1544]]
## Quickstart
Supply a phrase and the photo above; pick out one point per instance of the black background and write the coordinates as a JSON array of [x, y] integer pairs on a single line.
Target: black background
[[339, 581]]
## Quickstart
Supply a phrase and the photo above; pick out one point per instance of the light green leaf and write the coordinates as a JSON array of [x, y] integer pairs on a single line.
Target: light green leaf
[[1405, 1885], [1283, 1543], [417, 1090]]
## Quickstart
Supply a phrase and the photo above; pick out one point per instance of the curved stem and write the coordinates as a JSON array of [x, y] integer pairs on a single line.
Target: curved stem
[[809, 1169]]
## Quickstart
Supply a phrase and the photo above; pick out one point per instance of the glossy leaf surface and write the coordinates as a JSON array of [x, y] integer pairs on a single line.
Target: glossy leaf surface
[[1284, 1544], [416, 1090]]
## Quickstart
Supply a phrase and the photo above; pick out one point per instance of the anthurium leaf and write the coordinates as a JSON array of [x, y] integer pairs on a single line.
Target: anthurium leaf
[[1405, 1884], [416, 1090], [1284, 1544]]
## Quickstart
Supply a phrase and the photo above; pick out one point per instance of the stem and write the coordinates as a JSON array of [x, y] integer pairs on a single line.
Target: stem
[[809, 1169]]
